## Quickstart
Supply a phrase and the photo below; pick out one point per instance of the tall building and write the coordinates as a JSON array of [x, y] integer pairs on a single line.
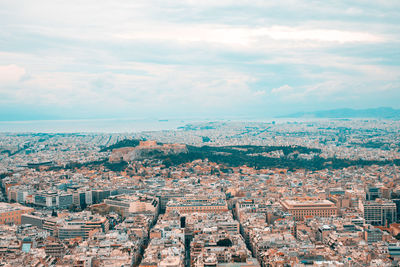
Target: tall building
[[373, 193], [309, 207], [372, 235], [53, 199], [397, 202], [55, 249], [380, 212]]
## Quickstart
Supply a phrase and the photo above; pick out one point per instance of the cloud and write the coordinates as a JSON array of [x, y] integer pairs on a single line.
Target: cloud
[[172, 56], [244, 37], [260, 93], [156, 87], [11, 74], [282, 89]]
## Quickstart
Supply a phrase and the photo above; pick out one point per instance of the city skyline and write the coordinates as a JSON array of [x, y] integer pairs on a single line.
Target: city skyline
[[97, 59], [182, 133], [224, 194]]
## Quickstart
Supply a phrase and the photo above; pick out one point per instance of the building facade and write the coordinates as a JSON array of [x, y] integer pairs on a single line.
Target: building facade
[[313, 208], [11, 213], [380, 212]]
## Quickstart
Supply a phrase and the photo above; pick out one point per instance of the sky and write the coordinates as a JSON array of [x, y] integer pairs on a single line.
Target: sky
[[203, 59]]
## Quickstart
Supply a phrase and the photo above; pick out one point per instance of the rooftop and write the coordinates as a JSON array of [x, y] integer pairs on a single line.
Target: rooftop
[[6, 207]]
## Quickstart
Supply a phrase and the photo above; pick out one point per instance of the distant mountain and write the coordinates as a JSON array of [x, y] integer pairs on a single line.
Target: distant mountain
[[382, 113]]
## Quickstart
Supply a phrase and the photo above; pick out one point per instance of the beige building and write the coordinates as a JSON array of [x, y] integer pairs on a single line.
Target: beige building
[[305, 207], [131, 204], [189, 204], [11, 213]]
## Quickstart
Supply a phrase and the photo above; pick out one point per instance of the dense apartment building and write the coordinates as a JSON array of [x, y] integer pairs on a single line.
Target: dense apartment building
[[78, 225], [372, 234], [380, 212], [55, 249], [82, 227], [53, 199]]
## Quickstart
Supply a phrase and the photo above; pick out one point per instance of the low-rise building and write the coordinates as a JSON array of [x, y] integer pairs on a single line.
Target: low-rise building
[[11, 213], [309, 207]]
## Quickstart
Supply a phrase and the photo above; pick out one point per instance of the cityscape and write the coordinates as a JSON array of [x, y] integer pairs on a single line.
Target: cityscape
[[181, 198], [199, 133]]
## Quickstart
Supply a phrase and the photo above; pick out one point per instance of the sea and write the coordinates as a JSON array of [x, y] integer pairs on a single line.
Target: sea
[[90, 126], [117, 125]]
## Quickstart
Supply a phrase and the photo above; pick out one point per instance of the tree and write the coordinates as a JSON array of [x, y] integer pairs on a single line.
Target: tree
[[224, 242]]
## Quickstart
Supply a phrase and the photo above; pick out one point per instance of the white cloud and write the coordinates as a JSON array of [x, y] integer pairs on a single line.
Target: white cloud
[[158, 87], [153, 55], [282, 90], [11, 74], [248, 37], [260, 93], [319, 35]]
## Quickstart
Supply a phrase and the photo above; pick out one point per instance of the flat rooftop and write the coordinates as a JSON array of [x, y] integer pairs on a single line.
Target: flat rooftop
[[308, 203], [6, 207]]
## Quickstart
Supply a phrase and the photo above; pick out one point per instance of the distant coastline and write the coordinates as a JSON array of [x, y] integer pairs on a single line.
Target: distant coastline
[[379, 113], [89, 126], [135, 125]]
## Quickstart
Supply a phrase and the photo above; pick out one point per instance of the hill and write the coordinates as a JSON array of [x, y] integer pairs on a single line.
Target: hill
[[379, 113]]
